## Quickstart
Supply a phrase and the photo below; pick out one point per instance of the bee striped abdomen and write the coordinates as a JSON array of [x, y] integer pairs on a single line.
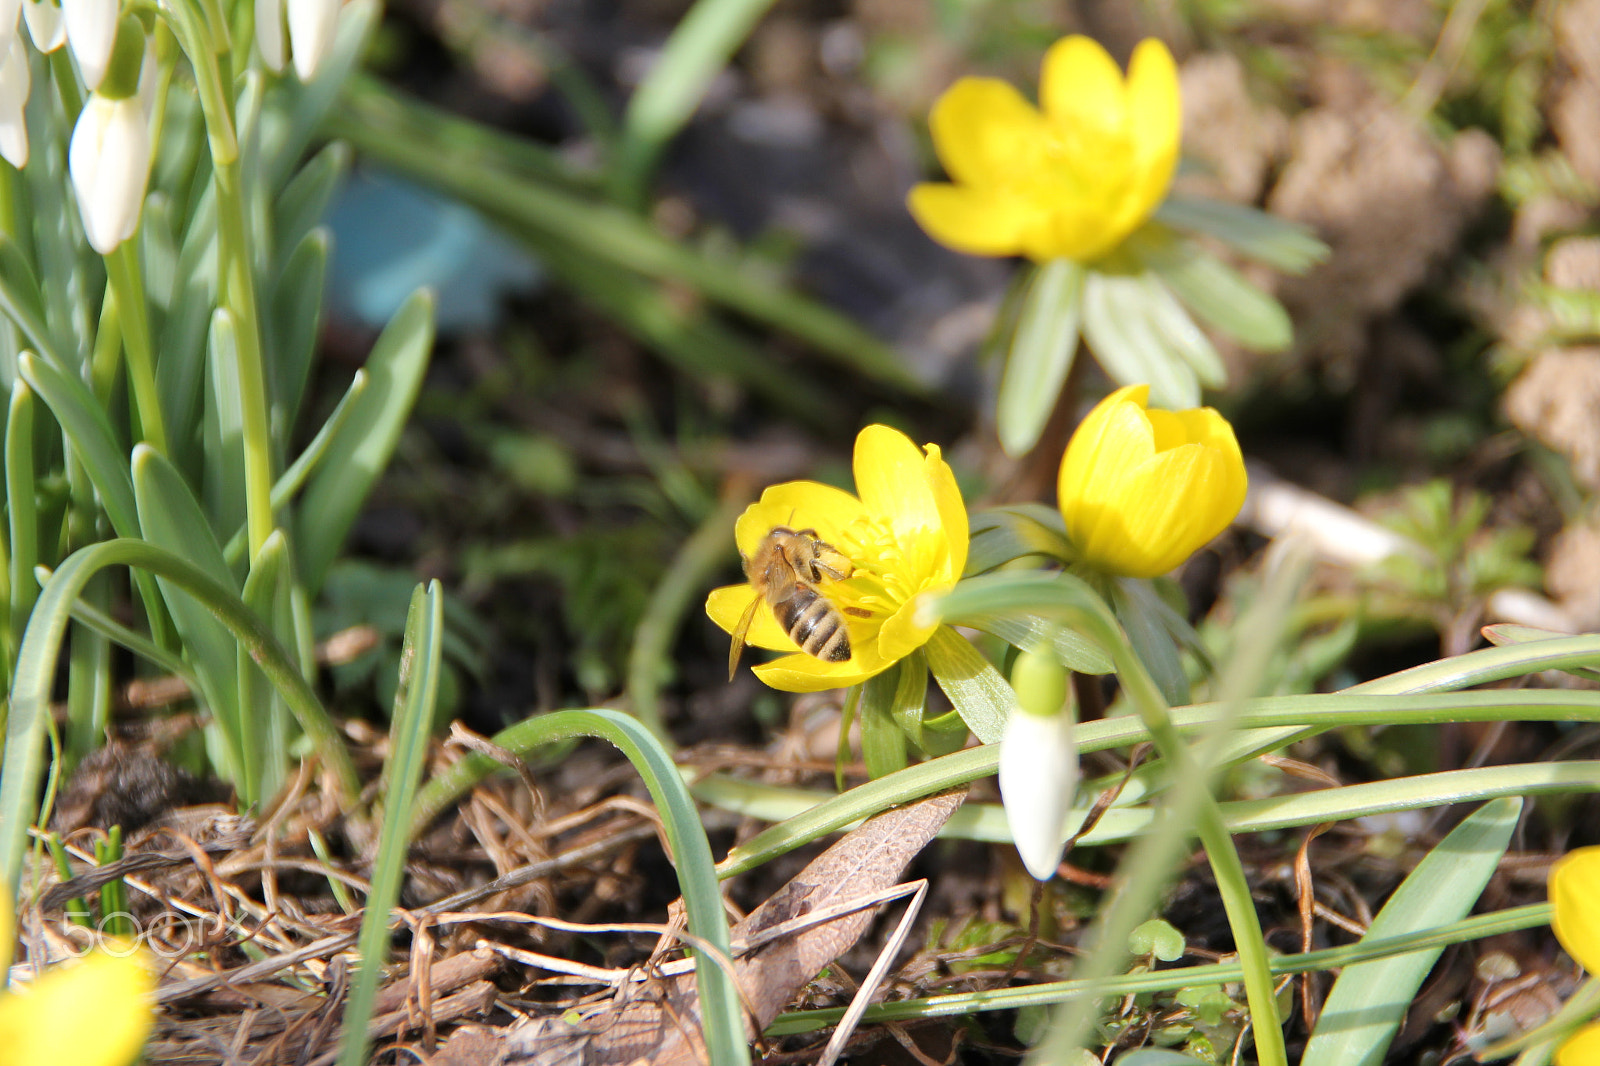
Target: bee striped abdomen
[[814, 624]]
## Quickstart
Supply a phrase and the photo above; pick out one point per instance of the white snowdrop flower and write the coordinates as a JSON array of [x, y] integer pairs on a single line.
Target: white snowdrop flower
[[109, 160], [1038, 778], [10, 11], [14, 84], [269, 34], [1039, 762], [47, 27], [91, 33], [311, 27]]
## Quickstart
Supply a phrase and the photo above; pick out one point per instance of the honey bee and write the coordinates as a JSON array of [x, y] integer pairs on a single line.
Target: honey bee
[[785, 570]]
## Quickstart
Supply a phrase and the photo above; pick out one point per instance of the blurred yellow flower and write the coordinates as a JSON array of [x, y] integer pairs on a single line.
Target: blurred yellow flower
[[1142, 490], [905, 534], [1575, 895], [1068, 182], [95, 1012]]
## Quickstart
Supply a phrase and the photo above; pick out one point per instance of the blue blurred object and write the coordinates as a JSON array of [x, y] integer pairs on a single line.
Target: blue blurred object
[[391, 236]]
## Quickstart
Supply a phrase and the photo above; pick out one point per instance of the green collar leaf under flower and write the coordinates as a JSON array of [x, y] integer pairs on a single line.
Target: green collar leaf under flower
[[1142, 489], [905, 534], [1070, 181]]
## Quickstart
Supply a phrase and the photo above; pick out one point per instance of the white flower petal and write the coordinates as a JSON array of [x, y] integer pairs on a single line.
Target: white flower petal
[[46, 26], [1038, 778], [14, 84], [91, 33], [312, 27], [109, 160], [269, 33]]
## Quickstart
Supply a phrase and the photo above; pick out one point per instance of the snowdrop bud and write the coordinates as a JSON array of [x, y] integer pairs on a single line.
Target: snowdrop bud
[[312, 27], [109, 157], [1039, 763], [91, 34], [46, 25], [269, 34], [9, 10], [14, 83]]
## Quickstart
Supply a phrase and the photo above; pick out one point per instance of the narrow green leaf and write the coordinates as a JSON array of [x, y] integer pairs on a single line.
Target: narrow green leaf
[[1026, 609], [22, 510], [1126, 343], [222, 421], [292, 326], [263, 716], [170, 518], [1152, 642], [883, 745], [699, 47], [303, 203], [697, 874], [974, 686], [21, 298], [85, 423], [1368, 1003], [1220, 295], [1041, 354], [361, 449], [1288, 246], [1169, 320], [1001, 535], [416, 698]]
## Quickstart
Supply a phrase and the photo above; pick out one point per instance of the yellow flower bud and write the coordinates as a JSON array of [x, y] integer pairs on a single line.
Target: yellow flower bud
[[1069, 179], [1142, 490]]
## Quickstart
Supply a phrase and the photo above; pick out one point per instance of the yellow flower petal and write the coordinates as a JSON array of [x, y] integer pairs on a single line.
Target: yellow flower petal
[[726, 605], [952, 512], [798, 505], [1581, 1049], [1575, 894], [1155, 115], [974, 221], [48, 1023], [892, 480], [984, 131], [1081, 88], [805, 673], [1142, 490]]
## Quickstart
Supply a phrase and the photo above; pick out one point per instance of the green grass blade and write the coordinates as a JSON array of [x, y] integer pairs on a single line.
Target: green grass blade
[[691, 853], [700, 46], [409, 730], [1368, 1003], [362, 447]]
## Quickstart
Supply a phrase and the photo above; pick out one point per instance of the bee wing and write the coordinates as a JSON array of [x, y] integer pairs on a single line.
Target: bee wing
[[736, 648]]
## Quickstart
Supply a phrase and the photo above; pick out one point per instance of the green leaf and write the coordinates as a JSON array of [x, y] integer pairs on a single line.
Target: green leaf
[[1157, 937], [1041, 354], [170, 518], [223, 424], [264, 717], [363, 445], [292, 325], [974, 686], [1117, 325], [1139, 611], [21, 298], [303, 203], [1025, 610], [1288, 246], [1220, 295], [85, 424], [1172, 323], [409, 730], [883, 745], [22, 511], [1004, 534], [1368, 1003]]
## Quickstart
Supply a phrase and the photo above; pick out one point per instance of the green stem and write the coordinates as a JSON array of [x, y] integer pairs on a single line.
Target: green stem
[[127, 287]]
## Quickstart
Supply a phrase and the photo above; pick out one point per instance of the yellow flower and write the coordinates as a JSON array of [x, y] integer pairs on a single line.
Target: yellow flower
[[1068, 182], [1141, 490], [95, 1012], [1575, 895], [905, 534]]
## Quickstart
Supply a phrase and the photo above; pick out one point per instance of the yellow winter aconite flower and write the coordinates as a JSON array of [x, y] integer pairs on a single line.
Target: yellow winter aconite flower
[[1069, 181], [95, 1012], [1141, 490], [1575, 895], [904, 534]]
